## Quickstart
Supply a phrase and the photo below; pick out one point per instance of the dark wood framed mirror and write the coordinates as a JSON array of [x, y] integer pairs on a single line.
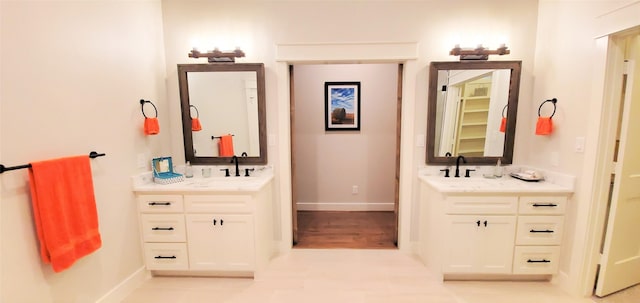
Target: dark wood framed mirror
[[227, 99], [472, 111]]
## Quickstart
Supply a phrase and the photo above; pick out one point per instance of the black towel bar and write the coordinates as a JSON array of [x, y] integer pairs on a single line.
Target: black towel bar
[[219, 137], [4, 169]]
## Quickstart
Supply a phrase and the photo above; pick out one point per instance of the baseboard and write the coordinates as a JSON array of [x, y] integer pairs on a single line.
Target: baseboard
[[348, 206], [126, 287]]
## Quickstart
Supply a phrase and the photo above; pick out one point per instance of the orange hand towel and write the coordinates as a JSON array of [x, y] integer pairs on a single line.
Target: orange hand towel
[[64, 210], [151, 126], [195, 124], [226, 146], [503, 125], [544, 126]]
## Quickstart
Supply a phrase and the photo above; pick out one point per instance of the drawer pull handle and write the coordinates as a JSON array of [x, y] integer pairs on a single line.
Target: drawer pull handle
[[541, 231], [214, 221], [159, 203], [163, 257], [162, 228], [221, 222], [538, 261], [544, 205], [478, 222]]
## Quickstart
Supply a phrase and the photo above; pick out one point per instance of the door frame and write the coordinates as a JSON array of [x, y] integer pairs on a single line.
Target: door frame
[[398, 131], [405, 53]]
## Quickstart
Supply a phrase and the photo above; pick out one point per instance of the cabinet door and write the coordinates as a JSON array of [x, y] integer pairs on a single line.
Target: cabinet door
[[461, 243], [220, 242], [479, 244], [497, 244]]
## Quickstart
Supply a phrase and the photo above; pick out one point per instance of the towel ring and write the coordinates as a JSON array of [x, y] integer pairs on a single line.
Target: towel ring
[[553, 101], [142, 102], [503, 109], [197, 113]]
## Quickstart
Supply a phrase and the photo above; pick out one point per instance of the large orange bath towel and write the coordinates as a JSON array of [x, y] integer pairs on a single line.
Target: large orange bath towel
[[226, 146], [64, 210]]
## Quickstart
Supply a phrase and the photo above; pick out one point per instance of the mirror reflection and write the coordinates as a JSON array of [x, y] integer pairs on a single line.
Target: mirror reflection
[[472, 111], [223, 112]]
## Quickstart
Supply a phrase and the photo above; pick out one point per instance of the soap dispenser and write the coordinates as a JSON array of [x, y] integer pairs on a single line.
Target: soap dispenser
[[188, 170], [498, 170]]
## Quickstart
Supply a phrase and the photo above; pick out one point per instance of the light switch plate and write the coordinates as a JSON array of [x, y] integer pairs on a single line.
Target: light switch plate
[[579, 144], [142, 160]]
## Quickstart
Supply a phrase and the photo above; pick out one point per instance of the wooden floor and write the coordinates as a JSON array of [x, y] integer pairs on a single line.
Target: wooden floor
[[345, 229]]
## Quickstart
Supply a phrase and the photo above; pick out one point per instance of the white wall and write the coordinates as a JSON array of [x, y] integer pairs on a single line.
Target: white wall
[[569, 65], [72, 75], [329, 163]]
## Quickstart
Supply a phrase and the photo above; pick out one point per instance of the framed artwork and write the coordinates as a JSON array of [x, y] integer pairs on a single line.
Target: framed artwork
[[342, 106]]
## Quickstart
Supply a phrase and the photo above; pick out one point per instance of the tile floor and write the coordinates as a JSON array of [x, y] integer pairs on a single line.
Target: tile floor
[[345, 275]]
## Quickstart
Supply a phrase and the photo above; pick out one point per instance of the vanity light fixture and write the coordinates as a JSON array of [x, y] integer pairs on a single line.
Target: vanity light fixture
[[479, 53], [217, 56]]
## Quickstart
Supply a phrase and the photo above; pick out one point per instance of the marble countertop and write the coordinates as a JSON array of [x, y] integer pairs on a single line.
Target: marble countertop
[[144, 183], [553, 183]]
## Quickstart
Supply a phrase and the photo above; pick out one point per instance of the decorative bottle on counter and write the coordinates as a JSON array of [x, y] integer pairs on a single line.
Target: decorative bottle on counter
[[188, 170], [498, 170]]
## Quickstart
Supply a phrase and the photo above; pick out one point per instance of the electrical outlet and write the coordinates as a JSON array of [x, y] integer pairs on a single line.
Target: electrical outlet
[[354, 189]]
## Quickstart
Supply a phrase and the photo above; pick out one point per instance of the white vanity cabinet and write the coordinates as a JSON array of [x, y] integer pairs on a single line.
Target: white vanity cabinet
[[490, 233], [206, 232]]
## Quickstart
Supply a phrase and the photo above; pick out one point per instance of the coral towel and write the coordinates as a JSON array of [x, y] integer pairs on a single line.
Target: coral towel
[[64, 210], [195, 125], [151, 126], [544, 126], [226, 146]]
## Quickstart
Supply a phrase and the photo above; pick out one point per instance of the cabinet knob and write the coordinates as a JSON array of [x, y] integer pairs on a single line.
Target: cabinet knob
[[221, 222], [478, 222], [485, 223], [214, 221]]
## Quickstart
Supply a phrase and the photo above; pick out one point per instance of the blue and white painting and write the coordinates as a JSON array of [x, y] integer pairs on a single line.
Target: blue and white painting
[[342, 105]]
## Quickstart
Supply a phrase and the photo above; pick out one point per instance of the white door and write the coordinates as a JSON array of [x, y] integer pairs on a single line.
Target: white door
[[620, 264]]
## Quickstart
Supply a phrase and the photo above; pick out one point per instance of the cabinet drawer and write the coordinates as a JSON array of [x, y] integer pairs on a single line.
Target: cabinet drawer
[[539, 230], [481, 205], [536, 259], [160, 203], [163, 228], [218, 203], [171, 256], [542, 205]]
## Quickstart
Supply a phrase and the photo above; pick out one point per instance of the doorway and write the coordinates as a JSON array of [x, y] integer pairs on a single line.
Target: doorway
[[345, 182]]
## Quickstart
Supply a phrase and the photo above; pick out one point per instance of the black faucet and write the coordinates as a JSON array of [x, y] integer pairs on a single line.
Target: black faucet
[[458, 165], [234, 159]]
